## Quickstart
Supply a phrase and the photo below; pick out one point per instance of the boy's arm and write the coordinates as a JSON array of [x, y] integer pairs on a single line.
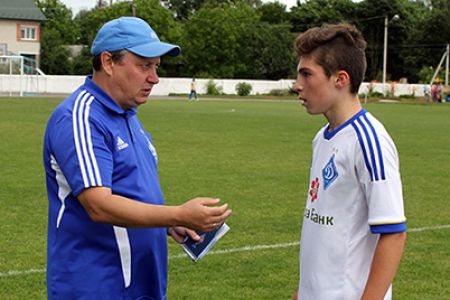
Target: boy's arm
[[385, 263]]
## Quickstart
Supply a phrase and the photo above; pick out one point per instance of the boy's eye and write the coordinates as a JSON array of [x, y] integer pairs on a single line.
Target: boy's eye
[[305, 74]]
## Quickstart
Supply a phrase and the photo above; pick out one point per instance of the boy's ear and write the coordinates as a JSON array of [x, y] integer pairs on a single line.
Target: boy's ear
[[342, 79]]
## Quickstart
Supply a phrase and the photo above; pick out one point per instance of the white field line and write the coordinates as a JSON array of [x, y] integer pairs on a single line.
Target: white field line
[[439, 227], [226, 251]]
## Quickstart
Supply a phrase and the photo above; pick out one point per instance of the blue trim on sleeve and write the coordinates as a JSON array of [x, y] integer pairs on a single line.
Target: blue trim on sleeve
[[388, 228]]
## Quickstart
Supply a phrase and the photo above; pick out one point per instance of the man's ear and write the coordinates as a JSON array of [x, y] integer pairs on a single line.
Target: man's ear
[[107, 62], [342, 79]]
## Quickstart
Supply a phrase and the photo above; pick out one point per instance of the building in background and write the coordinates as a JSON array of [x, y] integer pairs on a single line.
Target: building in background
[[20, 27]]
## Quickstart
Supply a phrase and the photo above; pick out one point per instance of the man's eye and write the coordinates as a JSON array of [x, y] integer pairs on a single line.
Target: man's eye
[[148, 66]]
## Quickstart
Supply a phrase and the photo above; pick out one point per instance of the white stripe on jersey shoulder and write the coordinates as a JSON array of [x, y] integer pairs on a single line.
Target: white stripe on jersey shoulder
[[83, 140], [370, 146]]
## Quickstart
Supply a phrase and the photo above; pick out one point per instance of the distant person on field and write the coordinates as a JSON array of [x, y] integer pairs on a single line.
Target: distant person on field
[[107, 222], [441, 96], [435, 92], [426, 92], [353, 231], [193, 92]]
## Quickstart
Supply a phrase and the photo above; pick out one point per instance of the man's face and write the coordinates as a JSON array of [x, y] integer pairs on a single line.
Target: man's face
[[134, 78], [315, 89]]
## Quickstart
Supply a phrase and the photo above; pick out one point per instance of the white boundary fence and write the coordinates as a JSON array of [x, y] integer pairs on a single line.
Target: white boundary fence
[[66, 84]]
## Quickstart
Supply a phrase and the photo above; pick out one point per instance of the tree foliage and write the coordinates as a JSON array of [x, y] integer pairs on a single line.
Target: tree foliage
[[430, 33], [230, 41], [274, 13], [59, 18], [251, 39], [54, 56], [56, 32], [159, 18], [211, 39], [316, 12], [266, 52]]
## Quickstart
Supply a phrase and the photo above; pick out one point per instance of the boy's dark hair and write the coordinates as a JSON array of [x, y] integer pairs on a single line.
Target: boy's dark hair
[[115, 56], [335, 47]]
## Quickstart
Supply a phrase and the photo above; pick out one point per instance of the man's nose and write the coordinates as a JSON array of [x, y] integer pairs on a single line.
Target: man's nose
[[153, 77]]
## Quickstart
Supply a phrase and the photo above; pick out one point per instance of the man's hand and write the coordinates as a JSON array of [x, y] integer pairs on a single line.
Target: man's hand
[[201, 214]]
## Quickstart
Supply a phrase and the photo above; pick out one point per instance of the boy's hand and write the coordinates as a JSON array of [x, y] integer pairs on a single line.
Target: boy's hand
[[179, 233]]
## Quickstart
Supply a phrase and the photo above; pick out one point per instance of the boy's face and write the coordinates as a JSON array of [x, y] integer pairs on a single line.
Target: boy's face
[[316, 91]]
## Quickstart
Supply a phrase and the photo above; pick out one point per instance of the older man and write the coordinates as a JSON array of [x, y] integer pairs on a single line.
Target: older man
[[107, 221]]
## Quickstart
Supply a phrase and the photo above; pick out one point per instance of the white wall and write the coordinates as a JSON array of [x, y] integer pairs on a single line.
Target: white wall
[[64, 84]]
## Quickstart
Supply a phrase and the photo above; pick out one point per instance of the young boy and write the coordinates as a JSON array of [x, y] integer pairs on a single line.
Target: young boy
[[353, 231]]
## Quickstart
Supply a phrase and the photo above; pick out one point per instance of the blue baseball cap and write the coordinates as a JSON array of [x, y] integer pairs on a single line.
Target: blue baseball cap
[[132, 34]]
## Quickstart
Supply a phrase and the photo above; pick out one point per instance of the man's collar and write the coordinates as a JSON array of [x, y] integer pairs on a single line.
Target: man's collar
[[105, 99]]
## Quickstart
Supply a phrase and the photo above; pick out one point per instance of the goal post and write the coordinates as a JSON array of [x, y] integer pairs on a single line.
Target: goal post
[[11, 74]]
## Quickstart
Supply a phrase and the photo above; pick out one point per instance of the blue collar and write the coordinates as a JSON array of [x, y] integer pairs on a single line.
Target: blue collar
[[105, 99], [328, 135]]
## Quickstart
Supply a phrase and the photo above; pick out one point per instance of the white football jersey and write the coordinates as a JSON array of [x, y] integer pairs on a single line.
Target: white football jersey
[[355, 194]]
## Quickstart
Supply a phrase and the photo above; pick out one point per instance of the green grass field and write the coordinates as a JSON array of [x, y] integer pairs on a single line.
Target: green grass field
[[253, 155]]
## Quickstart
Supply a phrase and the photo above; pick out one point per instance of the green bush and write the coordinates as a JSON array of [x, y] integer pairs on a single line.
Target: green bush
[[243, 88], [375, 95], [282, 92], [213, 89], [407, 96]]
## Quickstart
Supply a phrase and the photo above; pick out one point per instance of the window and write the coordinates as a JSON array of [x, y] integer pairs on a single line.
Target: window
[[28, 33]]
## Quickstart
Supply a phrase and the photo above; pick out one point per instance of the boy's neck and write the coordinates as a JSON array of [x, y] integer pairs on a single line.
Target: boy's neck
[[343, 111]]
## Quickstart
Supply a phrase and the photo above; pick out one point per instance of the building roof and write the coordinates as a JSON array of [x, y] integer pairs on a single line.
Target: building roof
[[20, 10]]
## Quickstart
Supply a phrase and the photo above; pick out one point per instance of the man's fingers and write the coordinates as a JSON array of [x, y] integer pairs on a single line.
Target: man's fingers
[[227, 213], [216, 221], [219, 210], [209, 201]]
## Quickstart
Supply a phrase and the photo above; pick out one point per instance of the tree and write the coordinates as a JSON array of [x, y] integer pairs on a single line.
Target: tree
[[82, 64], [57, 31], [211, 39], [266, 52], [54, 56], [317, 12], [428, 39], [371, 17], [273, 13], [59, 18], [185, 9], [159, 18]]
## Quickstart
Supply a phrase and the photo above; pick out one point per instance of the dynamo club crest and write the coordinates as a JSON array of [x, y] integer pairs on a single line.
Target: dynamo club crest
[[329, 173]]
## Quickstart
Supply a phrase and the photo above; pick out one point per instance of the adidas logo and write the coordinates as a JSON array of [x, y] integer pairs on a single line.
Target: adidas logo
[[121, 144]]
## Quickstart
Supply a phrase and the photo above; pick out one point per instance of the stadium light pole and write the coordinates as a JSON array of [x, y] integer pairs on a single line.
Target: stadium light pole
[[447, 65], [386, 24]]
